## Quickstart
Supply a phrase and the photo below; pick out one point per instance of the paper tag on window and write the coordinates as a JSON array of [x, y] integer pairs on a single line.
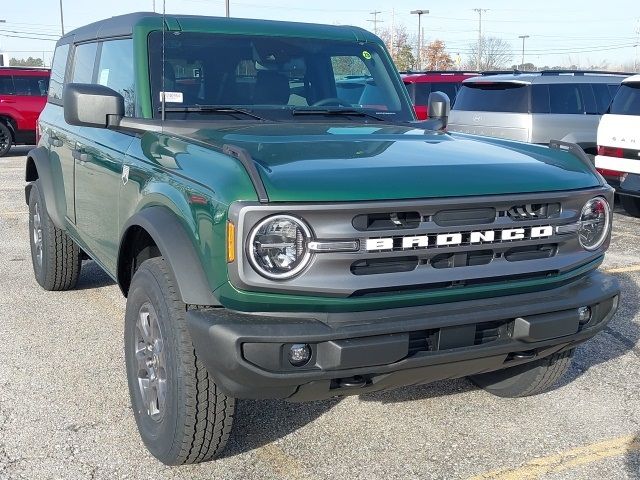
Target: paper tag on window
[[171, 97]]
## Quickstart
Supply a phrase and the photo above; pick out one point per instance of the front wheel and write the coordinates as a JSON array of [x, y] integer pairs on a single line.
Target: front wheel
[[528, 379], [631, 205], [181, 414]]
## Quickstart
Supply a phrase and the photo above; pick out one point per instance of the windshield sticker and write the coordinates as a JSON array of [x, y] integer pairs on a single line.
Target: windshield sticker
[[171, 97], [366, 55]]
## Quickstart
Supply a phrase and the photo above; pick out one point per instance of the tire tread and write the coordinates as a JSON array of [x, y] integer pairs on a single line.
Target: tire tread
[[209, 413]]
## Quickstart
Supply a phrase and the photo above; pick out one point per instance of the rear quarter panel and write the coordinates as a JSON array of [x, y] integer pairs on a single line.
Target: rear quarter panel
[[580, 129]]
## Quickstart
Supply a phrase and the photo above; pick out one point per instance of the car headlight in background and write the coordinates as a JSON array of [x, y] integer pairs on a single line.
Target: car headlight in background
[[278, 247], [595, 221]]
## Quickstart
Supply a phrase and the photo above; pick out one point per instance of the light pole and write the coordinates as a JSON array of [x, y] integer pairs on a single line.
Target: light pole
[[479, 11], [419, 13], [61, 18], [523, 37], [226, 5]]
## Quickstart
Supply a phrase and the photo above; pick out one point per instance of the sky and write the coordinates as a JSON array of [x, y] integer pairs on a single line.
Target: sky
[[560, 33]]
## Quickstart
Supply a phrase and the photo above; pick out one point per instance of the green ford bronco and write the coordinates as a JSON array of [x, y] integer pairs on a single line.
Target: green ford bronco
[[283, 227]]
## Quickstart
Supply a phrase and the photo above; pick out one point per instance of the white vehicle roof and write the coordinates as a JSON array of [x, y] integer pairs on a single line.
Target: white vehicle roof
[[633, 78]]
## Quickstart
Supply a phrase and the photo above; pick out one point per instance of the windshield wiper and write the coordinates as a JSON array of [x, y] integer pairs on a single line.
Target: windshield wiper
[[335, 111], [212, 109]]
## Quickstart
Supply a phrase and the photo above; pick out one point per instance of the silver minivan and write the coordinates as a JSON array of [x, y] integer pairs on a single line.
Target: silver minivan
[[536, 107]]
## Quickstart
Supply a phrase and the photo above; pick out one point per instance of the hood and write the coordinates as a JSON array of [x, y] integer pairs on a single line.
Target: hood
[[328, 162]]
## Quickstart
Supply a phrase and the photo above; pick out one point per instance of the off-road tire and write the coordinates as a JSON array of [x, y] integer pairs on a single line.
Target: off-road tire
[[197, 417], [60, 258], [528, 379], [631, 205], [6, 139]]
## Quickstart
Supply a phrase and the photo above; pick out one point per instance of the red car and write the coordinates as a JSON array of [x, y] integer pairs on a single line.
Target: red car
[[420, 85], [23, 94]]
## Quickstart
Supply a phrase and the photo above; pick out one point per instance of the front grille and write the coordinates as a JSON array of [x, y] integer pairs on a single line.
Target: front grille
[[427, 244], [534, 211], [435, 286]]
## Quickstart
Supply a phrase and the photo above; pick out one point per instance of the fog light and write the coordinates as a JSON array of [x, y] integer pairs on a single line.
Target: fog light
[[584, 314], [299, 354]]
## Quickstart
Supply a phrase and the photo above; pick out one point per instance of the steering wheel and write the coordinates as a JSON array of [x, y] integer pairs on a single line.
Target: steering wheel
[[331, 101]]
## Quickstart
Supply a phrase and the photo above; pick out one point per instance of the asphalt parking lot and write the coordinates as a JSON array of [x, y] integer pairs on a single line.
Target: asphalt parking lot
[[64, 407]]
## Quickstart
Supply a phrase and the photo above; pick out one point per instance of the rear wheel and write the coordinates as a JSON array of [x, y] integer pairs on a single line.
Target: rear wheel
[[528, 379], [181, 414], [631, 205], [55, 256], [6, 139]]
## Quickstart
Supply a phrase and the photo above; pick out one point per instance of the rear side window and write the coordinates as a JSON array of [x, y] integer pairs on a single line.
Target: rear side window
[[449, 88], [58, 70], [115, 70], [493, 97], [627, 100], [6, 85], [603, 96], [31, 86], [421, 91], [84, 60], [565, 99]]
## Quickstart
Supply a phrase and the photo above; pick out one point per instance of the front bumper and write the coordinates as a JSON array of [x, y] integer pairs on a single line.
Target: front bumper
[[360, 352]]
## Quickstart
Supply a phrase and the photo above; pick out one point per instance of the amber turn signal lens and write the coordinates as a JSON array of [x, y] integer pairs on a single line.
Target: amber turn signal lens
[[231, 242]]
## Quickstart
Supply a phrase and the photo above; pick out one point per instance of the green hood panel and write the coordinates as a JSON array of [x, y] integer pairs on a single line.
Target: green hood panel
[[324, 162]]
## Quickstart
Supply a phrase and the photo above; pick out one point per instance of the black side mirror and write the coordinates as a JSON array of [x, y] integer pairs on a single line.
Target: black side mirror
[[439, 109], [91, 105]]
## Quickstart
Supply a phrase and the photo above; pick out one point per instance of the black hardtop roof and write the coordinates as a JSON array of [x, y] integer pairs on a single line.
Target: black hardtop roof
[[123, 25]]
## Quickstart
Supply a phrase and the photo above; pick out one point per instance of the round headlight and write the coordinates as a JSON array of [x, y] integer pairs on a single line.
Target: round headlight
[[278, 247], [594, 223]]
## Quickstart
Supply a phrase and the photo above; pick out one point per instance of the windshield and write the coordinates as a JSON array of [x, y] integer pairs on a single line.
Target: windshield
[[493, 97], [272, 76], [627, 100]]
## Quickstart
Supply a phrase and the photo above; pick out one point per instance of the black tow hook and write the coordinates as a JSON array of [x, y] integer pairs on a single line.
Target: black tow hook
[[528, 355], [356, 381]]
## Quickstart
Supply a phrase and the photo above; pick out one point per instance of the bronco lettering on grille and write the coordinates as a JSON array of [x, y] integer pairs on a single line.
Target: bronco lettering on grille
[[461, 238]]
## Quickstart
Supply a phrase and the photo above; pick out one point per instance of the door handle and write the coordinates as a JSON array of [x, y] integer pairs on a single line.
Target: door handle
[[7, 101], [80, 156], [54, 141]]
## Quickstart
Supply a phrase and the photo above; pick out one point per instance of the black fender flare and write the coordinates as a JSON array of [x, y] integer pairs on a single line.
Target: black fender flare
[[40, 158], [177, 249]]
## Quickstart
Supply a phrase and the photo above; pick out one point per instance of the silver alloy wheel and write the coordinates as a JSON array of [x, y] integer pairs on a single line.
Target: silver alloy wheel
[[150, 355], [37, 233]]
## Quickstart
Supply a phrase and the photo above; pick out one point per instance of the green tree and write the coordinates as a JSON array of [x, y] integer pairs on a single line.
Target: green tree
[[29, 62], [400, 47]]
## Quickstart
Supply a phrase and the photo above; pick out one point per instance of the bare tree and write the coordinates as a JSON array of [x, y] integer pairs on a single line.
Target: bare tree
[[495, 54]]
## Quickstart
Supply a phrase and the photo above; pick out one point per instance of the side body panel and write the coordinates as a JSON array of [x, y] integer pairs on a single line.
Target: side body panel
[[60, 140], [98, 165]]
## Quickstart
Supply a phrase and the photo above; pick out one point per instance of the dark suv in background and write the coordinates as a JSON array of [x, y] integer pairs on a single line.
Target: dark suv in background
[[23, 95], [536, 107]]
